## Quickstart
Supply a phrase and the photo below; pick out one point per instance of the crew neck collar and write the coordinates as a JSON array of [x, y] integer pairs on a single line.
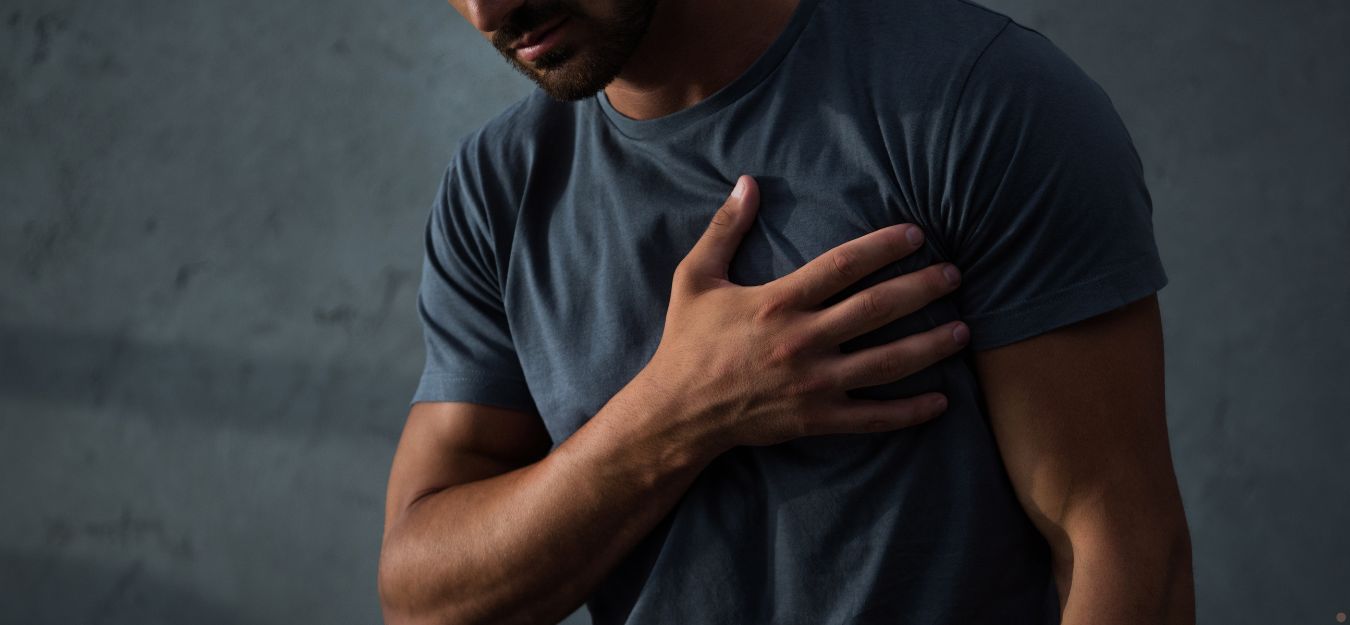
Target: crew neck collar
[[732, 91]]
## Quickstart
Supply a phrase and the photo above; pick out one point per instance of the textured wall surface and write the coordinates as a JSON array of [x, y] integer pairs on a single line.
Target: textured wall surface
[[210, 228]]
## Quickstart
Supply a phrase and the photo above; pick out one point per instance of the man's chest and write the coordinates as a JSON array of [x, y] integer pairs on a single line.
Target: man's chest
[[594, 251]]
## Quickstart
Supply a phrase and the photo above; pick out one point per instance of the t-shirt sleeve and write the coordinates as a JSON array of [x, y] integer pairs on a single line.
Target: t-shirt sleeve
[[470, 356], [1046, 209]]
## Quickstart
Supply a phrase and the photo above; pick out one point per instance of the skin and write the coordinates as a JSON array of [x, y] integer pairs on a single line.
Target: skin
[[1077, 412]]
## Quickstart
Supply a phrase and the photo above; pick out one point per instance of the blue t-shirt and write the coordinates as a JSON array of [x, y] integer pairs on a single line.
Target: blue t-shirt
[[551, 248]]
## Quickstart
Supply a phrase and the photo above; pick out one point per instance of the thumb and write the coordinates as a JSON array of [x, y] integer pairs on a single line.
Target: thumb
[[712, 254]]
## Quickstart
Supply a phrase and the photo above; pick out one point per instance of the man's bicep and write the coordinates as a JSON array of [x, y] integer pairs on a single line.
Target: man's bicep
[[1079, 417]]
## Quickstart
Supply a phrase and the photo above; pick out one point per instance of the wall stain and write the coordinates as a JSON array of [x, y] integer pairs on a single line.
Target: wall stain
[[124, 532], [185, 273], [340, 315], [44, 29], [393, 283], [45, 240]]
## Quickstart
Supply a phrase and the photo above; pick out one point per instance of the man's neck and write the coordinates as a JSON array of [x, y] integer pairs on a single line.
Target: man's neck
[[692, 49]]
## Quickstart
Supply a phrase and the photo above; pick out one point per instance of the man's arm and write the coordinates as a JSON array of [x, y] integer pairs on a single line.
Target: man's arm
[[480, 517], [1078, 413]]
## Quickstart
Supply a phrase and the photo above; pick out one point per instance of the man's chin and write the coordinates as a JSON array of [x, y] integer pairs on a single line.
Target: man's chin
[[566, 76], [569, 92]]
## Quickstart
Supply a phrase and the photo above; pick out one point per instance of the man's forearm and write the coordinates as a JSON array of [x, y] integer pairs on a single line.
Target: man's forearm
[[529, 545], [1119, 578]]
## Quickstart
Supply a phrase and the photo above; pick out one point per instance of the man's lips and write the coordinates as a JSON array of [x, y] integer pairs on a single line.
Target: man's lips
[[535, 35]]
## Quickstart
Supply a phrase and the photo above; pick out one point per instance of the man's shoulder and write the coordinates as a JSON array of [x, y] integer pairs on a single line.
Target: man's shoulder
[[957, 58], [509, 138], [911, 57], [493, 163], [1023, 77], [914, 34]]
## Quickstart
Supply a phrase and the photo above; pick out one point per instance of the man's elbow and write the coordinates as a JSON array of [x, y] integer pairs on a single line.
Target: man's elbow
[[393, 595], [1142, 557], [398, 597], [1154, 539], [410, 595]]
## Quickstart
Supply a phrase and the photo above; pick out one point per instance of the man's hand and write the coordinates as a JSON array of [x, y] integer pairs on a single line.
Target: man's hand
[[758, 365]]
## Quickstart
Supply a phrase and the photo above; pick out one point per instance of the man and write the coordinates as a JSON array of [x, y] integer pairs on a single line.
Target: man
[[681, 407]]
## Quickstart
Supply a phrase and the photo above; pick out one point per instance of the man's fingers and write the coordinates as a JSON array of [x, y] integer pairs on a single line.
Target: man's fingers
[[880, 415], [898, 359], [711, 255], [847, 263], [884, 302]]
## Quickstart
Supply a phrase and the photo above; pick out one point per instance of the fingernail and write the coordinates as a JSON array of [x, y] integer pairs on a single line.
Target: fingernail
[[960, 333], [739, 191], [914, 235], [953, 276]]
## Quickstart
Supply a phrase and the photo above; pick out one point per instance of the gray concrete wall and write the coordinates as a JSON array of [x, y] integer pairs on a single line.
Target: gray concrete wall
[[210, 221]]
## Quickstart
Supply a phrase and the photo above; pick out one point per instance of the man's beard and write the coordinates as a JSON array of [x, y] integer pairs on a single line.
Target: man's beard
[[568, 72]]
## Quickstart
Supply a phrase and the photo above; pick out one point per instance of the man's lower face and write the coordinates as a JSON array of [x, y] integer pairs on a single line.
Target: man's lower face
[[587, 52]]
